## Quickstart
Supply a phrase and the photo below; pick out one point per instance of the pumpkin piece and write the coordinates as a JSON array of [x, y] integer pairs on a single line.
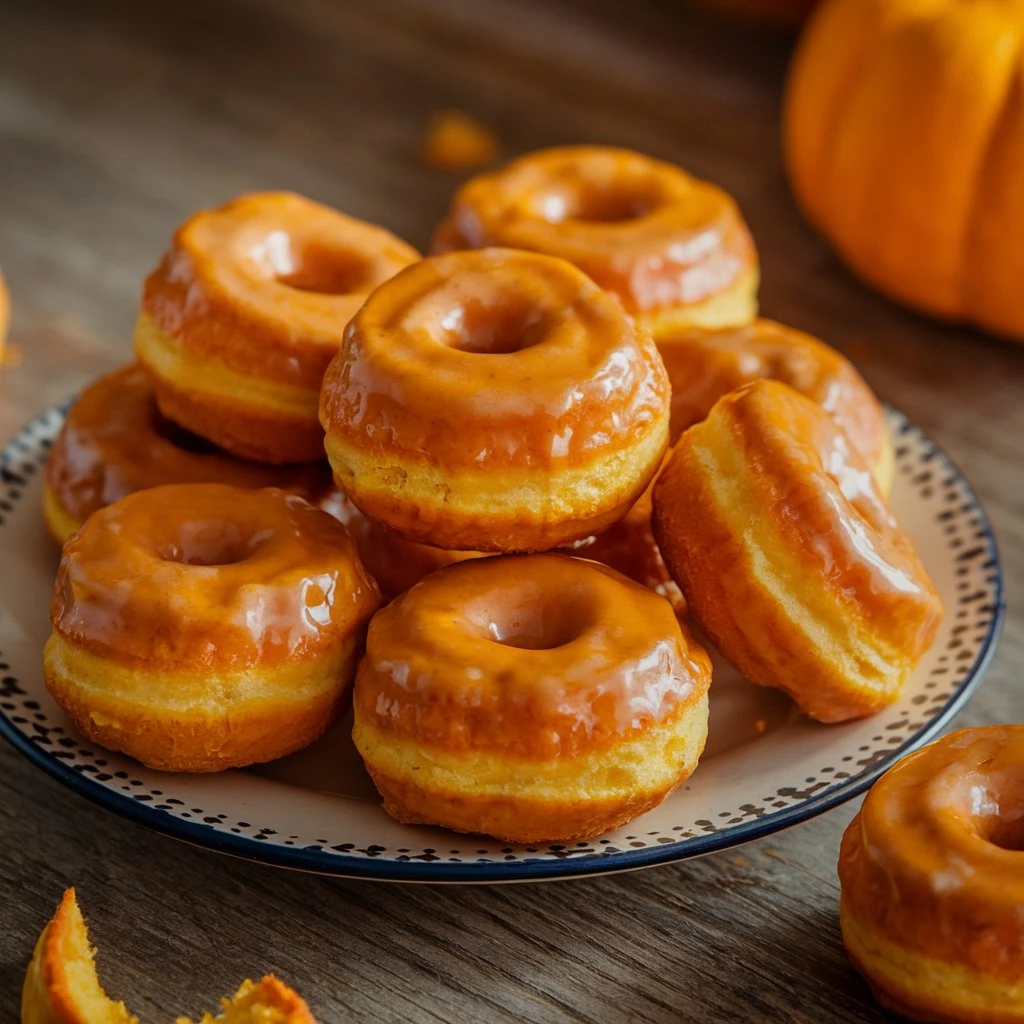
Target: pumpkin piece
[[62, 986]]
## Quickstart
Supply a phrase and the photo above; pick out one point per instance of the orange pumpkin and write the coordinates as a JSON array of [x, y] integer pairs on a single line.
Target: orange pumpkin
[[904, 139]]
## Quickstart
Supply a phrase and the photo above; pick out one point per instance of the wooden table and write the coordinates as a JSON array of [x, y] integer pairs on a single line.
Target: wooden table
[[117, 119]]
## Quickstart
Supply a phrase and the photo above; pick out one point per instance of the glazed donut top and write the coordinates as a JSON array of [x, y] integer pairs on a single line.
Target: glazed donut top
[[115, 442], [207, 575], [936, 855], [266, 283], [644, 230], [528, 363], [824, 503], [703, 365], [535, 655]]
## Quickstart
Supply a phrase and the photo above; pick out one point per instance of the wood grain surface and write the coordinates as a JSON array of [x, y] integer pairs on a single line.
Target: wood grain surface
[[117, 119]]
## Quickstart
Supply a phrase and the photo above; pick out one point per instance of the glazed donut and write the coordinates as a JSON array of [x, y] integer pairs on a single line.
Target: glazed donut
[[535, 698], [494, 401], [703, 365], [673, 249], [115, 441], [932, 877], [245, 311], [200, 626], [788, 556]]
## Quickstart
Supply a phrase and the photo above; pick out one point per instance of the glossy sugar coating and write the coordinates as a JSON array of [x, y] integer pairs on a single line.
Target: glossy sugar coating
[[494, 401], [529, 697], [932, 874], [674, 250], [200, 626], [115, 441], [245, 311], [703, 365], [788, 556]]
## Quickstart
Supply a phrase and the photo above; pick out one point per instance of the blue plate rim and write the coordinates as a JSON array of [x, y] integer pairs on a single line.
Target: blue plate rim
[[539, 869]]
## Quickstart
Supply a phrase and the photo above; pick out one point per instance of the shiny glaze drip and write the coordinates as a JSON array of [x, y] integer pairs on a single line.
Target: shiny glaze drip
[[267, 282], [115, 442], [195, 575], [493, 359], [822, 498], [642, 229], [537, 655], [935, 858], [704, 365]]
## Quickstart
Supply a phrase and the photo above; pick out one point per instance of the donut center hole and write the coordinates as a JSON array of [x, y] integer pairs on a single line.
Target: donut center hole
[[531, 628], [313, 266], [997, 806], [1008, 835], [209, 543], [496, 329], [607, 202]]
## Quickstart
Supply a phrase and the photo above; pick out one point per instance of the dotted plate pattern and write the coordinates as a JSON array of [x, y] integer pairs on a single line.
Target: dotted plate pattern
[[249, 815]]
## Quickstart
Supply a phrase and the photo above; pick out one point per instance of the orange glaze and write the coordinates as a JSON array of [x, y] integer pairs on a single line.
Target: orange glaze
[[535, 656], [644, 230], [262, 287], [765, 507], [934, 863], [210, 576], [494, 369], [115, 441], [703, 365]]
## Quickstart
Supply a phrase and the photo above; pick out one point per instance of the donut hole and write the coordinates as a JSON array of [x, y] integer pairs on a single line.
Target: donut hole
[[209, 543], [313, 266], [1005, 827], [1008, 834], [524, 624], [611, 201], [510, 324]]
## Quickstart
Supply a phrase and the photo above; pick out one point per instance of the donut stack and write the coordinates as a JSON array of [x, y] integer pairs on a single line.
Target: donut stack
[[494, 418]]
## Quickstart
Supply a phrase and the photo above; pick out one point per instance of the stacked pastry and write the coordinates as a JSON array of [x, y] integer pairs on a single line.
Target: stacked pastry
[[495, 417]]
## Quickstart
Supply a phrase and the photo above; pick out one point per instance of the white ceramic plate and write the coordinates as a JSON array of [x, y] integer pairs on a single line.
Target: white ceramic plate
[[765, 767]]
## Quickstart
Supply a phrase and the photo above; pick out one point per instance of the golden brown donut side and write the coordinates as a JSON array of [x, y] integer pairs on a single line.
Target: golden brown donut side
[[115, 441], [673, 249], [788, 557], [200, 626], [932, 876], [532, 698], [494, 400], [703, 365], [246, 309]]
